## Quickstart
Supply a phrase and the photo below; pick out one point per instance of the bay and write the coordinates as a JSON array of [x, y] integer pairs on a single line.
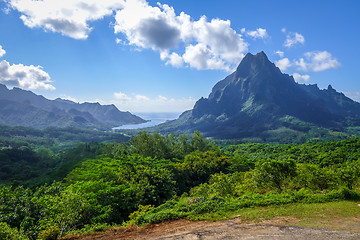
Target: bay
[[153, 119]]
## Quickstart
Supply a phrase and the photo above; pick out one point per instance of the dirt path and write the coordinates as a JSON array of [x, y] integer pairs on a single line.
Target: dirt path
[[227, 229]]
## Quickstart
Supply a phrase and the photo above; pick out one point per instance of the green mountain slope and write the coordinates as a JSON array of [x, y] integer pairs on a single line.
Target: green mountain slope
[[257, 100], [24, 108]]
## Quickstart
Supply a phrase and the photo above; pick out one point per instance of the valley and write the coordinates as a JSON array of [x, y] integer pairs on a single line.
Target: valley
[[260, 144]]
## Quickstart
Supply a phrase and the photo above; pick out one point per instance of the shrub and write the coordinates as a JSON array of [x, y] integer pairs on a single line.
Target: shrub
[[273, 173], [8, 233], [51, 233]]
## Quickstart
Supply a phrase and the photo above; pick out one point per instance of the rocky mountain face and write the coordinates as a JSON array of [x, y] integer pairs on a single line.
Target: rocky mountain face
[[258, 97], [24, 108]]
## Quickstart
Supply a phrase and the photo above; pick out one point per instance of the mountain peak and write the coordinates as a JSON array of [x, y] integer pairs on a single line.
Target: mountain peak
[[259, 56], [3, 87], [330, 88], [252, 64], [258, 97]]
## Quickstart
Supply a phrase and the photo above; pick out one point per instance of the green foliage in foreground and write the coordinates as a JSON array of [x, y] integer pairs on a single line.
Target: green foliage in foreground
[[103, 190], [123, 183]]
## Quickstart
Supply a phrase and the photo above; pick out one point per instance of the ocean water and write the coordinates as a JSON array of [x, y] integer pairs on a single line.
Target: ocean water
[[153, 120]]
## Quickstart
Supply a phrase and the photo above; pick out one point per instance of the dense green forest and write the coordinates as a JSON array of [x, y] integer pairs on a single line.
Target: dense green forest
[[32, 157], [48, 192], [54, 138]]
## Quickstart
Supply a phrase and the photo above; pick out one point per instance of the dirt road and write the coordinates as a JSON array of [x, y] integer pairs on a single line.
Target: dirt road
[[227, 229]]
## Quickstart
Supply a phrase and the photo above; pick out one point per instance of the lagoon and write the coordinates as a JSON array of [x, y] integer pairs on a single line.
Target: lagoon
[[153, 120]]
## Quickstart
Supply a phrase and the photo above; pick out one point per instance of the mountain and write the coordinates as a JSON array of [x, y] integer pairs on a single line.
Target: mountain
[[19, 107], [258, 99]]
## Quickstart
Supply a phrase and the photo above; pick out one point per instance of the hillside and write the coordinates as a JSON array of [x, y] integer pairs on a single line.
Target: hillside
[[24, 108], [258, 101]]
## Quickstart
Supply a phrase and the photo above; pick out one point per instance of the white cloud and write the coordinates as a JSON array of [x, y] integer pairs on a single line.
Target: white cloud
[[144, 27], [294, 38], [68, 17], [201, 57], [6, 10], [172, 59], [148, 27], [258, 33], [207, 44], [280, 53], [141, 98], [2, 51], [317, 61], [301, 78], [141, 103], [118, 41], [28, 77], [221, 39], [283, 64], [121, 96], [162, 98], [353, 95], [283, 30], [67, 97]]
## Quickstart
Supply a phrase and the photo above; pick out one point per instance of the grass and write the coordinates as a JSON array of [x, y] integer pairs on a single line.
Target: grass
[[342, 215]]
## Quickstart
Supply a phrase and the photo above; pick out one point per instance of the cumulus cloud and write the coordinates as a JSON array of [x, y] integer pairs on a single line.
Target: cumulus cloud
[[141, 103], [118, 40], [202, 57], [68, 17], [122, 96], [141, 98], [2, 51], [293, 39], [317, 61], [353, 95], [301, 78], [283, 64], [258, 33], [280, 53], [19, 75], [204, 44], [146, 26], [207, 44], [28, 77], [67, 97], [173, 59]]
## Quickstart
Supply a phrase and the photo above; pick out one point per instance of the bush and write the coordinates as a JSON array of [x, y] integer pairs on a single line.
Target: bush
[[273, 173], [90, 228], [8, 233], [51, 233]]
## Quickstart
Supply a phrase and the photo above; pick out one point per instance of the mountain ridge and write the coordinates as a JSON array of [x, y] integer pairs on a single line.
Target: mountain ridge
[[17, 107]]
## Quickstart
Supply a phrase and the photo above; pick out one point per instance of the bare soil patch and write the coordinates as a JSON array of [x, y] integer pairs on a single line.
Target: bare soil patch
[[277, 228]]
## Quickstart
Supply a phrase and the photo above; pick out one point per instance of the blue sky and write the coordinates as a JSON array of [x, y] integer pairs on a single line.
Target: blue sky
[[149, 57]]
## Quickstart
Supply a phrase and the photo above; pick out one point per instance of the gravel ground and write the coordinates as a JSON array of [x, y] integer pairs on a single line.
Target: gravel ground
[[227, 229]]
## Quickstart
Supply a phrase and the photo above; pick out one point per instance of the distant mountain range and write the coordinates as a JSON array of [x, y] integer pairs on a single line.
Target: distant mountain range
[[257, 100], [24, 108]]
